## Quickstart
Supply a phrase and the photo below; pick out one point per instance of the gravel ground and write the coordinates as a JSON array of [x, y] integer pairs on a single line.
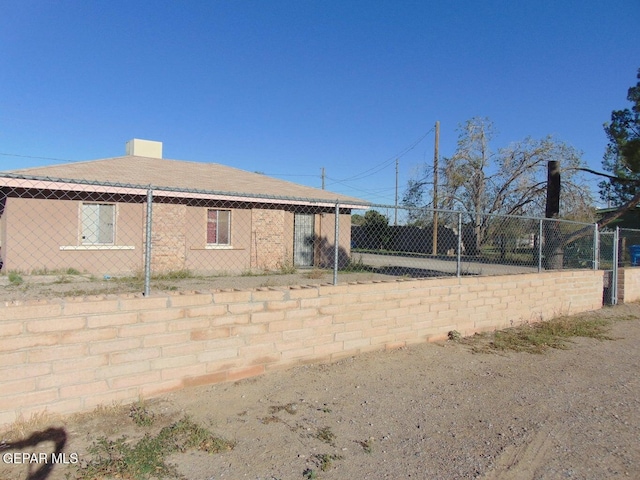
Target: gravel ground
[[432, 411]]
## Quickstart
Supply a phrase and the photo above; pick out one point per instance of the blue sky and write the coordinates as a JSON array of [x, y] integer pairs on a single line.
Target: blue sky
[[289, 87]]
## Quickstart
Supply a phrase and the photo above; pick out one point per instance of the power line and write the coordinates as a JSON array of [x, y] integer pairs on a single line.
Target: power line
[[389, 162], [39, 158], [376, 192], [291, 175], [359, 176]]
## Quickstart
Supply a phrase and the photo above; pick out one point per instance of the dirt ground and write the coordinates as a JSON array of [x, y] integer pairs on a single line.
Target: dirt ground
[[39, 287], [432, 411]]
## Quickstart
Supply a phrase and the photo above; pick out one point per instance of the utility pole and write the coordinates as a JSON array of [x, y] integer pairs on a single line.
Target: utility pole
[[322, 178], [435, 189], [552, 208], [395, 220], [552, 234]]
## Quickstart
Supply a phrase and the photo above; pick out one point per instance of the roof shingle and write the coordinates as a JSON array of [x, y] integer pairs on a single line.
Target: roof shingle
[[182, 175]]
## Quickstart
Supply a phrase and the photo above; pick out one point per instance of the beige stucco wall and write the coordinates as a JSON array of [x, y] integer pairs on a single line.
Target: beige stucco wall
[[325, 231], [45, 235], [204, 260], [180, 240], [39, 235]]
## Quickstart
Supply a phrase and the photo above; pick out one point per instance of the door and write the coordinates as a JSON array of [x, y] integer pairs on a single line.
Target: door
[[303, 239]]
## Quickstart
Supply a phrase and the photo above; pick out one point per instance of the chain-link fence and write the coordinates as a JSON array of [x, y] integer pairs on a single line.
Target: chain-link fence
[[620, 246], [469, 244], [617, 248], [79, 237], [75, 237], [628, 247]]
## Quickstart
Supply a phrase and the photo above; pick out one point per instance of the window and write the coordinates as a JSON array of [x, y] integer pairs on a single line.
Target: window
[[98, 223], [218, 227]]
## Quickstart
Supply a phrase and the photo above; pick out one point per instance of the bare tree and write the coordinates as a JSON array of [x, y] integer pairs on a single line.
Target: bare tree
[[465, 174], [511, 180]]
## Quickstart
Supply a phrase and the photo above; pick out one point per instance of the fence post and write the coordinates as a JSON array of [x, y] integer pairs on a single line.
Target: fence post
[[614, 275], [459, 255], [147, 257], [596, 247], [540, 245], [336, 247]]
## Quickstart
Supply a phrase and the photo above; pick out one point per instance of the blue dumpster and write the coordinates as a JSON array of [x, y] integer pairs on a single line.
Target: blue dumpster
[[634, 250]]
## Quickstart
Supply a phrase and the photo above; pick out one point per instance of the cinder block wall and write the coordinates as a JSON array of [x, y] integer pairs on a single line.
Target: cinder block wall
[[628, 285], [70, 355]]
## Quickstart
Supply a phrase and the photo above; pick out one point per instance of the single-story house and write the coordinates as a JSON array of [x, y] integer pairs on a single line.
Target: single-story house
[[205, 217]]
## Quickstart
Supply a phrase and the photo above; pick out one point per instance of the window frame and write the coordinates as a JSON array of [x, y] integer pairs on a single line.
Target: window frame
[[97, 225], [218, 244]]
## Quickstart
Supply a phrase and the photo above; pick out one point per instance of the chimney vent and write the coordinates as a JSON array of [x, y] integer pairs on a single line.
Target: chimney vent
[[144, 148]]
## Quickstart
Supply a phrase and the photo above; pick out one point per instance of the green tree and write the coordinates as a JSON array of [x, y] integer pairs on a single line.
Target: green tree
[[371, 218], [376, 230], [622, 155], [357, 219], [375, 219]]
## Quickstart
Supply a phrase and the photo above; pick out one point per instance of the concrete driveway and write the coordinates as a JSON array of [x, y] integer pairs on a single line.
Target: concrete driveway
[[434, 266]]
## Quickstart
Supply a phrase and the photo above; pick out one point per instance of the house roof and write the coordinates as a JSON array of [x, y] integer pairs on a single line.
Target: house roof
[[600, 211], [177, 176], [628, 220]]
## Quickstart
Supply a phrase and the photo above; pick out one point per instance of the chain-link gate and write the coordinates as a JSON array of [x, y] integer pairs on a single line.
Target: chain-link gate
[[608, 263]]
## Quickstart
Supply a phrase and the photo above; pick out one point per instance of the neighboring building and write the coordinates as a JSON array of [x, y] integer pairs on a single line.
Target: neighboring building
[[629, 219], [208, 218]]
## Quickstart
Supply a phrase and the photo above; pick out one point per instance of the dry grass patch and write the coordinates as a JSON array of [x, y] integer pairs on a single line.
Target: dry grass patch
[[22, 427], [538, 337], [145, 458]]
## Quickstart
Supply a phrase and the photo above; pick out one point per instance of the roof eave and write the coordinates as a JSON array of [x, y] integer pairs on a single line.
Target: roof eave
[[44, 183]]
